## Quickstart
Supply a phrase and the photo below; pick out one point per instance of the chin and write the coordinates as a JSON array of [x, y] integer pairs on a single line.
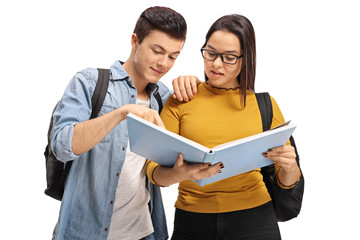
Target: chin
[[215, 83], [154, 79], [222, 83]]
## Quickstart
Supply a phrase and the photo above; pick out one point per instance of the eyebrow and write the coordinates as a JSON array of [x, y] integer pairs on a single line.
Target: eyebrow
[[163, 49], [231, 51]]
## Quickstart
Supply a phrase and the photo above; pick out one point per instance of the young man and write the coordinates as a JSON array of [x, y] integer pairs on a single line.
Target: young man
[[106, 194]]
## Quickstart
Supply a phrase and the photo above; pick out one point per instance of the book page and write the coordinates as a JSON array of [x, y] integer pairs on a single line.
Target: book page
[[253, 137], [281, 125], [171, 134], [160, 145], [245, 154]]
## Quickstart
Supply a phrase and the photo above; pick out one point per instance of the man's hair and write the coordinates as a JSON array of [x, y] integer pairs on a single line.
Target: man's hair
[[243, 29], [163, 19]]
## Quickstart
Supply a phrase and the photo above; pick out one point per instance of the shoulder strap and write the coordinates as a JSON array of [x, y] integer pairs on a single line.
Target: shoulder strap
[[159, 101], [266, 110], [99, 92]]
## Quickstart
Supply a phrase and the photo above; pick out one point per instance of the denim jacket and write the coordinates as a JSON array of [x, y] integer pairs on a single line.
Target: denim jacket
[[87, 204]]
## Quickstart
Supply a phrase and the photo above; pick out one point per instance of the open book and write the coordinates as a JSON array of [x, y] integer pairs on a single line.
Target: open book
[[163, 146]]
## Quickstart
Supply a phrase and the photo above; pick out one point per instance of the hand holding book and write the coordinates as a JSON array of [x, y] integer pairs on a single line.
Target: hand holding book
[[181, 171], [285, 158]]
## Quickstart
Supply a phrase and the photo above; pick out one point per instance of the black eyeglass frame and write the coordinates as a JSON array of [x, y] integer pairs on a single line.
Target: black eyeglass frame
[[221, 56]]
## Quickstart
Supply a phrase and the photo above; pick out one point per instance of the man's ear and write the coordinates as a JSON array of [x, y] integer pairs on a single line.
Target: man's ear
[[134, 41]]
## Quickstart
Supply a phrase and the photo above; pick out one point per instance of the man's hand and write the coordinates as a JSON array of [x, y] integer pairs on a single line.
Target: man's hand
[[185, 87], [143, 112], [89, 133]]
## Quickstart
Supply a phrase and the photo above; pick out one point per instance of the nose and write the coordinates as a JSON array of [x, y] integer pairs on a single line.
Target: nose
[[163, 62], [217, 62]]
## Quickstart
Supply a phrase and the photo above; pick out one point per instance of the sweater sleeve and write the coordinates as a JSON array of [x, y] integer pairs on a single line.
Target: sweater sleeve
[[150, 168]]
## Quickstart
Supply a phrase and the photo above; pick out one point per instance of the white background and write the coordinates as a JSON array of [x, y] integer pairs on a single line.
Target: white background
[[308, 59]]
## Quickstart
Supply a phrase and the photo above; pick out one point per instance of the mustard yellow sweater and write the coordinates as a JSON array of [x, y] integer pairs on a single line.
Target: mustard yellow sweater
[[213, 117]]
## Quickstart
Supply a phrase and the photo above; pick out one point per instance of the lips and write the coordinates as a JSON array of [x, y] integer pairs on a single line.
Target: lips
[[216, 73], [157, 72]]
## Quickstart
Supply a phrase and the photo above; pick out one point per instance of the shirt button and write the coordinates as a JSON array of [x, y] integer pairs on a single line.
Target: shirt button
[[117, 174], [132, 96], [111, 202], [106, 229], [123, 148]]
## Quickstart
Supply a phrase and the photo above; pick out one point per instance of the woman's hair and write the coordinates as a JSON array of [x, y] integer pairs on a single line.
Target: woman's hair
[[243, 29], [163, 19]]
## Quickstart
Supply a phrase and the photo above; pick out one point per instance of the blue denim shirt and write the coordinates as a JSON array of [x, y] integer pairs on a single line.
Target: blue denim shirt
[[87, 204]]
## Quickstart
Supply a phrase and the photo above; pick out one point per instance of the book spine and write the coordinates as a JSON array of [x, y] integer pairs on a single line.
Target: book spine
[[209, 158]]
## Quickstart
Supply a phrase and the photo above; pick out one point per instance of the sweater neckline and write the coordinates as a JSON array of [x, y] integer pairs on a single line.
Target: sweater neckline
[[221, 90]]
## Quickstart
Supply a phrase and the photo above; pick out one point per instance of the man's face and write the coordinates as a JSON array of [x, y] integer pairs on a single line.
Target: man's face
[[156, 55]]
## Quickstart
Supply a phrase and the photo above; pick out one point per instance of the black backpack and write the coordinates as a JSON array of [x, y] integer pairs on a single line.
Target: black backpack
[[57, 171], [286, 202]]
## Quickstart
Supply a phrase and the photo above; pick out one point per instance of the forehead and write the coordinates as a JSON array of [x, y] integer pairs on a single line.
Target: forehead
[[159, 38], [224, 41]]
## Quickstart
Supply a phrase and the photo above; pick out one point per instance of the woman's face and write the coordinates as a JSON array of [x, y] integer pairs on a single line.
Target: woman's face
[[220, 74]]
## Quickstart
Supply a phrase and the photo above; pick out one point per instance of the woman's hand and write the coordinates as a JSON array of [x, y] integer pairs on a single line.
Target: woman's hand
[[184, 171], [285, 157], [185, 87], [165, 176]]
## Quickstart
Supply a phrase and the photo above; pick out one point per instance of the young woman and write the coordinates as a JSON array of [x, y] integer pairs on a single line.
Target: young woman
[[224, 109]]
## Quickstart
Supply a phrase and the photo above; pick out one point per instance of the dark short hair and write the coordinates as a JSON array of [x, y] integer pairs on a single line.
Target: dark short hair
[[163, 19], [243, 29]]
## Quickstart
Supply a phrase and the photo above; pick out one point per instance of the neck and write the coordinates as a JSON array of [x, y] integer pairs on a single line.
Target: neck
[[139, 83]]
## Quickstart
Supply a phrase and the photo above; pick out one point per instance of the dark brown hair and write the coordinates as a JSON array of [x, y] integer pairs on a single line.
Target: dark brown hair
[[163, 19], [243, 29]]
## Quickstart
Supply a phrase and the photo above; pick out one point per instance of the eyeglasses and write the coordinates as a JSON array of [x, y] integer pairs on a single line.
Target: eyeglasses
[[225, 57]]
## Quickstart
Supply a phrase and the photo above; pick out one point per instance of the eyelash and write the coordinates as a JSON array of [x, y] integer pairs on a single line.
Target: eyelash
[[159, 52], [156, 52]]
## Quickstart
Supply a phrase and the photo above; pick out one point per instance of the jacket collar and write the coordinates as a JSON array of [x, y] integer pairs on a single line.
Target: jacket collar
[[119, 73]]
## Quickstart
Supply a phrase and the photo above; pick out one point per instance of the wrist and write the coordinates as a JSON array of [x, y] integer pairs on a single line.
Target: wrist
[[122, 112], [288, 178], [176, 175]]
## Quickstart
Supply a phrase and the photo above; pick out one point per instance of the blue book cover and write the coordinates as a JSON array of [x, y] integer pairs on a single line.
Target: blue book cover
[[162, 146]]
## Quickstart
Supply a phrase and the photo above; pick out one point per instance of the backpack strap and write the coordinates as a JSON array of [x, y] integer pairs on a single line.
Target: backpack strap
[[159, 101], [100, 92], [286, 202], [266, 109]]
